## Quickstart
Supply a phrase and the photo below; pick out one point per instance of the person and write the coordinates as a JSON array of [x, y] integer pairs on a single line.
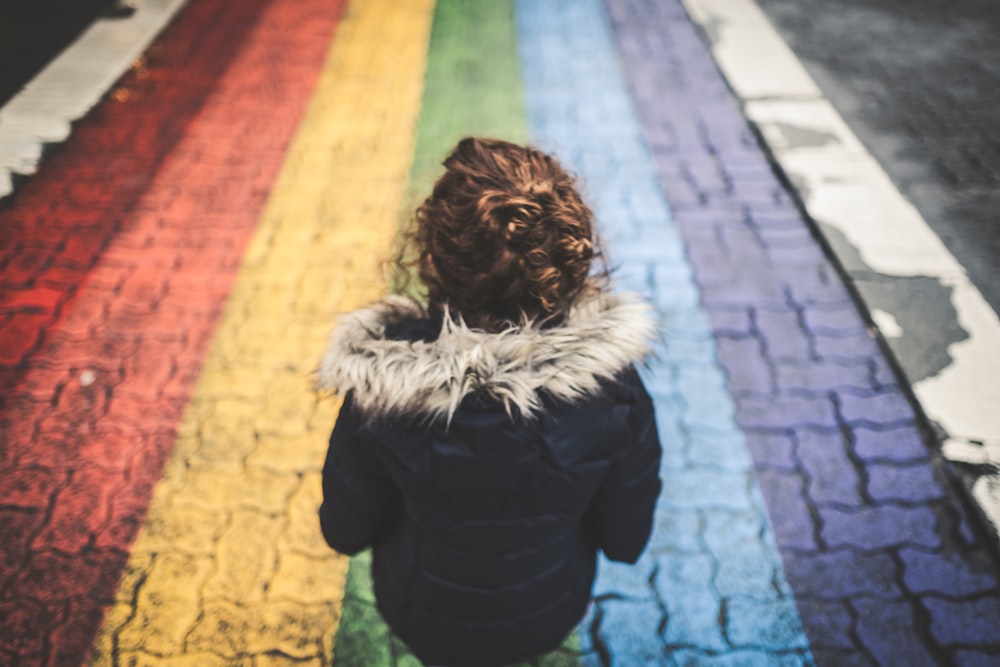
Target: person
[[495, 434]]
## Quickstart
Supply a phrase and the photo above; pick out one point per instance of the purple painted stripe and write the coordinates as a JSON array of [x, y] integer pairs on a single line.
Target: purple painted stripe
[[871, 538]]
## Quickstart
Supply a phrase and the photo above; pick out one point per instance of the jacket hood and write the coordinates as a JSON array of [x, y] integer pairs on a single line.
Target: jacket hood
[[602, 335]]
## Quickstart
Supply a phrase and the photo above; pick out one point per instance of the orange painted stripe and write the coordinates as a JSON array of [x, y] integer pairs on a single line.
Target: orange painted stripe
[[117, 259]]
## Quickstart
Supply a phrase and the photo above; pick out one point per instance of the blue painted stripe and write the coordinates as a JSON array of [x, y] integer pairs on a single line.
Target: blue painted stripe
[[710, 589]]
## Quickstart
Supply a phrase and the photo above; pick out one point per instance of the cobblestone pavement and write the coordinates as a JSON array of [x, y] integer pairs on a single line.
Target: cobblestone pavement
[[169, 276]]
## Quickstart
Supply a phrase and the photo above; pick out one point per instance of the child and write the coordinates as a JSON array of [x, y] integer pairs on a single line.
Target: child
[[492, 440]]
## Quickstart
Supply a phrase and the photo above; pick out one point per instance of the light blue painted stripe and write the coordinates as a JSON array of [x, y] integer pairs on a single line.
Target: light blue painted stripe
[[713, 555]]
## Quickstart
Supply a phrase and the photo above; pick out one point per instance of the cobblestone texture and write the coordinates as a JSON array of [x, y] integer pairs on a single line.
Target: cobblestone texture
[[117, 259], [252, 441], [859, 506], [803, 520], [717, 596]]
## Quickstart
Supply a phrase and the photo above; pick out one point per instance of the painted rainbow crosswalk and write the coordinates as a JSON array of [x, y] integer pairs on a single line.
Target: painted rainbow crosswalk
[[160, 441]]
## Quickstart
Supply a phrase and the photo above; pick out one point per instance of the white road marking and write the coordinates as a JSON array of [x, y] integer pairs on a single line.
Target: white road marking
[[75, 81]]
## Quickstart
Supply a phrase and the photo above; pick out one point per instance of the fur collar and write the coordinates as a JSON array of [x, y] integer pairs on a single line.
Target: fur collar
[[602, 335]]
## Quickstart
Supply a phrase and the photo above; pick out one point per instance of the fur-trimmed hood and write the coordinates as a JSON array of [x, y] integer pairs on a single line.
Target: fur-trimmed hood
[[602, 335]]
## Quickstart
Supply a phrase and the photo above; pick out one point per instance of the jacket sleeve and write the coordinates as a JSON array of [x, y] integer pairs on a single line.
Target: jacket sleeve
[[359, 496], [622, 510]]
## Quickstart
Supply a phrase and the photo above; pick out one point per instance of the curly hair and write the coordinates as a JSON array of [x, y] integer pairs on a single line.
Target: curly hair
[[504, 237]]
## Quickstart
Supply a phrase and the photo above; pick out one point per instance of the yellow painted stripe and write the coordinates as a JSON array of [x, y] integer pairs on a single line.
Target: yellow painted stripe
[[230, 567]]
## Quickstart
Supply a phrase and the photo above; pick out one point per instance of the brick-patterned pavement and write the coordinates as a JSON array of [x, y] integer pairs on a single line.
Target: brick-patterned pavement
[[876, 544], [169, 275], [117, 260]]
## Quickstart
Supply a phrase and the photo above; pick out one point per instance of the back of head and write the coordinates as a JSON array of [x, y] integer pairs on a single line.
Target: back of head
[[504, 236]]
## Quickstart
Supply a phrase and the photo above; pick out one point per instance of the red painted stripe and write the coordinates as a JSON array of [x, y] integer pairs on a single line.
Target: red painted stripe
[[116, 260]]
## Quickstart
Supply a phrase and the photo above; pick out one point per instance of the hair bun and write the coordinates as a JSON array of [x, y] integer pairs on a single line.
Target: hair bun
[[504, 236]]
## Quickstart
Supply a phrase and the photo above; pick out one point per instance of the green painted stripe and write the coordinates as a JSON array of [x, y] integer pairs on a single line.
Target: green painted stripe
[[472, 87]]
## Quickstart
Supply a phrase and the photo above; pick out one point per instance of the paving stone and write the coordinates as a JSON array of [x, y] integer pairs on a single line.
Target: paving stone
[[884, 374], [782, 332], [902, 444], [831, 473], [31, 487], [835, 322], [825, 656], [756, 289], [746, 368], [819, 286], [17, 529], [733, 323], [949, 574], [709, 407], [698, 488], [286, 628], [889, 633], [819, 377], [972, 622], [686, 325], [693, 352], [909, 483], [747, 564], [22, 619], [676, 530], [719, 449], [842, 574], [861, 346], [701, 380], [878, 527], [79, 512], [244, 574], [690, 658], [727, 531], [630, 632], [783, 411], [774, 627], [74, 637], [749, 571], [772, 450], [886, 408], [828, 624], [793, 526], [164, 633], [684, 583], [968, 658], [86, 575], [802, 257], [625, 580]]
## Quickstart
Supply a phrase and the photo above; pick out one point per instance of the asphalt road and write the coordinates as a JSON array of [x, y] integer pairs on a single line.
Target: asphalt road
[[919, 83]]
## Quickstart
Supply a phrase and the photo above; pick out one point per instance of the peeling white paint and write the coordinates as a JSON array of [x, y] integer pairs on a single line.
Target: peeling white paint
[[844, 186], [964, 398], [72, 84], [963, 451], [887, 323]]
